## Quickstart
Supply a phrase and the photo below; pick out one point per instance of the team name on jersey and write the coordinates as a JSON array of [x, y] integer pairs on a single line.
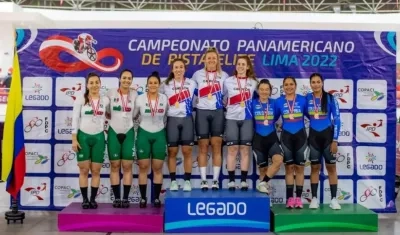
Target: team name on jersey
[[91, 112], [160, 104], [158, 111]]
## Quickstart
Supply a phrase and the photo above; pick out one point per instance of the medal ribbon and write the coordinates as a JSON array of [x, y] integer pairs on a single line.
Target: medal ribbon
[[124, 103], [242, 93], [95, 108], [180, 90], [208, 80], [153, 111], [265, 110], [291, 109], [315, 104]]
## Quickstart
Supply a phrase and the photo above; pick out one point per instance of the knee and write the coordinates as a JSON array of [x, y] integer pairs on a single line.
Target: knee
[[277, 161], [232, 150], [143, 167], [84, 171], [289, 169], [95, 172], [115, 166], [172, 152], [127, 168], [187, 152], [331, 168], [216, 143], [315, 168], [203, 148], [299, 169]]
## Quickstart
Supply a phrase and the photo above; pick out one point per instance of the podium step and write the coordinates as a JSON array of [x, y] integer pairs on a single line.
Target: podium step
[[216, 211], [351, 218], [108, 219]]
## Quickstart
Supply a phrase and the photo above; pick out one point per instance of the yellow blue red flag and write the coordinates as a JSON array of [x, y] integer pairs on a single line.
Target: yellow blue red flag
[[13, 165]]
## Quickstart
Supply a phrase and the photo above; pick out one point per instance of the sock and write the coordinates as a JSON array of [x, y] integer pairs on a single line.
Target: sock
[[243, 176], [289, 191], [216, 170], [127, 189], [93, 193], [231, 176], [173, 176], [157, 191], [84, 193], [203, 173], [187, 176], [333, 190], [143, 189], [117, 191], [314, 188], [266, 178], [299, 191]]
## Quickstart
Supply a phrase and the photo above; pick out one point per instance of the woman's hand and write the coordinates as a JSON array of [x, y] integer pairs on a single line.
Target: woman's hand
[[75, 146]]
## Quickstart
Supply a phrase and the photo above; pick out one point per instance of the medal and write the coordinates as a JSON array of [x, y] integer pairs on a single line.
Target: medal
[[179, 94], [316, 108], [95, 110], [212, 84], [291, 108], [266, 122], [153, 111], [242, 91], [265, 112]]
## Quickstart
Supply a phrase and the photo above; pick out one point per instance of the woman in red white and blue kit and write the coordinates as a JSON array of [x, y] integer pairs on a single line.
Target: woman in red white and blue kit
[[239, 90], [180, 131]]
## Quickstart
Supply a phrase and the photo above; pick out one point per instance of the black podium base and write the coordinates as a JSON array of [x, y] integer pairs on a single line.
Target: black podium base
[[14, 216]]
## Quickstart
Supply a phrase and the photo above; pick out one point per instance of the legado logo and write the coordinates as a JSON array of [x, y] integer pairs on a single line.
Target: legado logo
[[340, 93], [372, 128], [343, 130], [68, 124], [217, 208], [275, 199], [370, 158], [37, 96]]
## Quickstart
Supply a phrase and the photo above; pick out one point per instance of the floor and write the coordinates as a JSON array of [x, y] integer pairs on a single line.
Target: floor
[[45, 223]]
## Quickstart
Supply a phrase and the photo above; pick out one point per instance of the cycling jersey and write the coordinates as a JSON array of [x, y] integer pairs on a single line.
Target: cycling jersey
[[121, 109], [264, 119], [239, 94], [89, 118], [319, 121], [210, 88], [292, 113], [152, 117], [180, 97]]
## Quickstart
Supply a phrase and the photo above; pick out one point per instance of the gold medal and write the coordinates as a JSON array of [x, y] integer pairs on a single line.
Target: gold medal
[[316, 116], [291, 116], [177, 104], [210, 96], [242, 104]]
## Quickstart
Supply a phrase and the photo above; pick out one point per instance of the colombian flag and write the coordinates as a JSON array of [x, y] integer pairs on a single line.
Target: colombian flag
[[13, 159]]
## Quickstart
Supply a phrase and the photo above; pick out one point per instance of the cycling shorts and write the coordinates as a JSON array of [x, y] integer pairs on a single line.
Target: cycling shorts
[[209, 123], [294, 147], [120, 146], [239, 132], [180, 131], [151, 145], [265, 147], [320, 145], [92, 147]]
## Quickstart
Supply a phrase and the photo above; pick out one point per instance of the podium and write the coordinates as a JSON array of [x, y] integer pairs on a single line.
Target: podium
[[216, 211], [351, 218], [108, 219]]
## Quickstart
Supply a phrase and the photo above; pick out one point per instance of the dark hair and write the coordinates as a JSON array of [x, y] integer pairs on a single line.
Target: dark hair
[[249, 72], [125, 70], [325, 95], [86, 95], [265, 81], [171, 74], [155, 75], [290, 77]]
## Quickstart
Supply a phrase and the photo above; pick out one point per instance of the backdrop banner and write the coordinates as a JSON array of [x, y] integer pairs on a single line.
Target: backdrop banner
[[359, 69]]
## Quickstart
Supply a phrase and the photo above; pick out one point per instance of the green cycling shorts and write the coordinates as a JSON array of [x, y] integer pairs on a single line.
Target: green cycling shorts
[[92, 147], [120, 146], [151, 145]]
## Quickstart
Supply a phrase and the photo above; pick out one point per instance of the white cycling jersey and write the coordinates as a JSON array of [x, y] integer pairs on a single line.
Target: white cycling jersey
[[121, 109], [180, 97], [152, 117]]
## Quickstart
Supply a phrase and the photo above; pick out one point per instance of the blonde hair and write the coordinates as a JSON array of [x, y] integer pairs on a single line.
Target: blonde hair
[[213, 50]]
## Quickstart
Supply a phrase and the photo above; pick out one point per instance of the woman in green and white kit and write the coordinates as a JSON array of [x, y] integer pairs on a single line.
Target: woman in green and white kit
[[88, 137], [121, 137], [151, 140]]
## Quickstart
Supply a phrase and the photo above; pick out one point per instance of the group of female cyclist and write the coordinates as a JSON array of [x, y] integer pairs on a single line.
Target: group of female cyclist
[[166, 121]]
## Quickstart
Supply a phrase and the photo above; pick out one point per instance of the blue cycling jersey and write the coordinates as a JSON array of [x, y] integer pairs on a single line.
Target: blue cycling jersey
[[319, 120], [292, 114], [263, 114]]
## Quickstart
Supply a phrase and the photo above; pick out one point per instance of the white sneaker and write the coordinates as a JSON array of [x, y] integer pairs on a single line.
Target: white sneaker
[[215, 185], [263, 187], [314, 203], [187, 186], [231, 185], [244, 186], [204, 185], [174, 186], [335, 204]]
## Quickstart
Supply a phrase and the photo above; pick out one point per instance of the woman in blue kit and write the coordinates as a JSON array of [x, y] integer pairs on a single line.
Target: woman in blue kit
[[323, 110], [293, 107], [265, 140]]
